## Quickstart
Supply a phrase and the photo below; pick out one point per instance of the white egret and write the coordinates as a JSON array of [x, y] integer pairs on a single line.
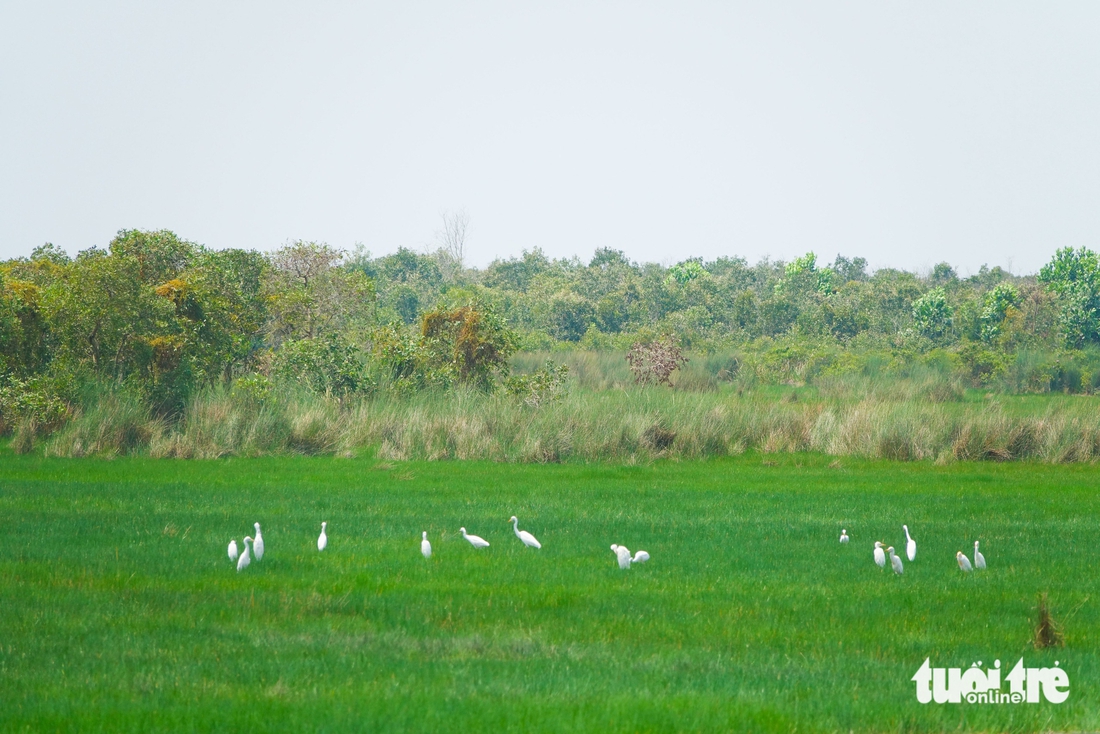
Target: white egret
[[910, 544], [258, 543], [979, 559], [425, 546], [233, 553], [528, 540], [895, 561], [322, 539], [475, 541], [623, 554], [964, 562], [843, 535], [244, 560], [880, 555], [640, 557]]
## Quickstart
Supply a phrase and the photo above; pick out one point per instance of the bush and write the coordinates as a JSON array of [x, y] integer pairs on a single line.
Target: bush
[[472, 342], [31, 404], [327, 365], [654, 362], [543, 386]]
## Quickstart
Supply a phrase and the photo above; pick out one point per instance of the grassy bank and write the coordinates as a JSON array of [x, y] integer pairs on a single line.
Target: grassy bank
[[121, 611], [904, 420]]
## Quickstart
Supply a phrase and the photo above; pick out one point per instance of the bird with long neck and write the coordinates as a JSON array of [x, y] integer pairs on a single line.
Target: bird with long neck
[[322, 539], [244, 560], [880, 555], [843, 535], [910, 544], [979, 559], [425, 546], [258, 543], [528, 540], [474, 540], [895, 561]]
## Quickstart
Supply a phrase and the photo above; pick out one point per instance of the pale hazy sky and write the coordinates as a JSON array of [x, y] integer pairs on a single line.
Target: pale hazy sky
[[903, 132]]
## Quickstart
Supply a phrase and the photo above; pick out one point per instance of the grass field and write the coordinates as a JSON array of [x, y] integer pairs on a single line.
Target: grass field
[[120, 611]]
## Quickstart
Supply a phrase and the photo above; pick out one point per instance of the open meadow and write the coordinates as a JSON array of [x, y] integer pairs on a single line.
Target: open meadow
[[121, 611]]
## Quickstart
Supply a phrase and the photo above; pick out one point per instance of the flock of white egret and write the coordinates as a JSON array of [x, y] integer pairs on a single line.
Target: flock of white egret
[[257, 546], [881, 551]]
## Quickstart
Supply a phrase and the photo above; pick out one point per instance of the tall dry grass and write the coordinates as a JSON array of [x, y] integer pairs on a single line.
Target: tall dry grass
[[628, 425]]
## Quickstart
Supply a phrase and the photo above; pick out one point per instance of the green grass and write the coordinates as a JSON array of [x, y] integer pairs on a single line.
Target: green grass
[[120, 611]]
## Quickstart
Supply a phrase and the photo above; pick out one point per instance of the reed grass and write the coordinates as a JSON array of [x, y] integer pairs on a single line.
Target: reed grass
[[908, 421]]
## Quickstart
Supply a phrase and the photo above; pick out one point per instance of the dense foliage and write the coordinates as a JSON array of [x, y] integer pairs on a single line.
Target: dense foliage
[[159, 318]]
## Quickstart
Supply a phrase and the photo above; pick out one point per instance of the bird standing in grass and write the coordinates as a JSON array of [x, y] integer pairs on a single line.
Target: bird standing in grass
[[843, 536], [475, 541], [964, 562], [623, 554], [640, 557], [910, 544], [322, 539], [895, 561], [244, 560], [528, 540], [880, 555], [258, 544], [425, 546], [233, 553], [979, 559]]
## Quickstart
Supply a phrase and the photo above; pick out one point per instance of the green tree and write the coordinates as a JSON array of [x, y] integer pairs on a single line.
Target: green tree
[[570, 315], [932, 314], [471, 342], [997, 306], [1074, 275], [311, 295]]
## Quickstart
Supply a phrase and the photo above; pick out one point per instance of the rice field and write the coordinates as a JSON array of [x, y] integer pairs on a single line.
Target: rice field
[[121, 611]]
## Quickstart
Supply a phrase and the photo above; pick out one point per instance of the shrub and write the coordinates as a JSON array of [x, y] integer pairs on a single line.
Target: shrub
[[653, 363], [471, 341], [328, 365], [542, 386], [31, 403]]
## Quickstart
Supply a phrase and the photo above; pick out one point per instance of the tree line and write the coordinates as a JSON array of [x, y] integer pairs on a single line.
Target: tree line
[[163, 317]]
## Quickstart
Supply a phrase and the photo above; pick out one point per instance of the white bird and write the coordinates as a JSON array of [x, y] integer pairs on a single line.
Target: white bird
[[910, 544], [258, 544], [880, 555], [233, 553], [640, 557], [979, 559], [475, 541], [425, 546], [322, 539], [528, 540], [244, 560], [895, 561], [843, 536], [964, 562], [623, 554]]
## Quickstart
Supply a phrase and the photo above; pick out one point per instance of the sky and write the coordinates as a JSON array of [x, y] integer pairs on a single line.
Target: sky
[[907, 133]]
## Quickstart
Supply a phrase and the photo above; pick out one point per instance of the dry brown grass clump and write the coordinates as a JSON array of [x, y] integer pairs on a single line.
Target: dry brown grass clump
[[1048, 633]]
